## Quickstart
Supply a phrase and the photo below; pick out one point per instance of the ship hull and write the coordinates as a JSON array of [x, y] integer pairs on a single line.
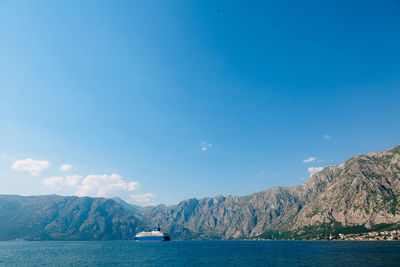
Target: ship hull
[[152, 238]]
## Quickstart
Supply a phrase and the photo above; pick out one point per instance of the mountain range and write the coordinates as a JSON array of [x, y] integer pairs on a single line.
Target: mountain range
[[361, 194]]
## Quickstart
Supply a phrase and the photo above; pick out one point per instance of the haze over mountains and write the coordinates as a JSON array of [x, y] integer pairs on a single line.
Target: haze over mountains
[[364, 191]]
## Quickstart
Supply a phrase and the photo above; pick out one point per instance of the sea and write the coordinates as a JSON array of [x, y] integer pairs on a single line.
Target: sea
[[200, 253]]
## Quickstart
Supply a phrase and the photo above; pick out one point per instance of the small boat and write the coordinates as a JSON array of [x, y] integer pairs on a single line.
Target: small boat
[[155, 235]]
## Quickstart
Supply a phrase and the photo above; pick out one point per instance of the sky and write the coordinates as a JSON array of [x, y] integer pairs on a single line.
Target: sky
[[160, 101]]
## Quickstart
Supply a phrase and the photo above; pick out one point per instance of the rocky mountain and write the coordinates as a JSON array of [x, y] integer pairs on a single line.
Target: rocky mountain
[[360, 194], [65, 218], [364, 191]]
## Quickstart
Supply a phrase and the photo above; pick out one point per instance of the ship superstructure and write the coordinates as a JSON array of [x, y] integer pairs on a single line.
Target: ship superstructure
[[155, 235]]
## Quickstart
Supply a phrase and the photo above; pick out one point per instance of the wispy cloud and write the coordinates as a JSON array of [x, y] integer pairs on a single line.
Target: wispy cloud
[[327, 137], [142, 198], [34, 167], [93, 185], [205, 146], [55, 182], [72, 180], [310, 159], [105, 186], [65, 167], [58, 182], [313, 170]]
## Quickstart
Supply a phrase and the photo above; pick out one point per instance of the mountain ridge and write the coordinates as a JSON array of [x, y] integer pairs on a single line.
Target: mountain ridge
[[363, 191]]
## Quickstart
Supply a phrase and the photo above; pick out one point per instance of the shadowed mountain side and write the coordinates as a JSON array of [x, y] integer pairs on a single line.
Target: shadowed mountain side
[[65, 218]]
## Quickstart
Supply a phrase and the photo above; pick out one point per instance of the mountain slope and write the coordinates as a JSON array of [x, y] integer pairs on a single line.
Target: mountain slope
[[65, 218], [364, 191]]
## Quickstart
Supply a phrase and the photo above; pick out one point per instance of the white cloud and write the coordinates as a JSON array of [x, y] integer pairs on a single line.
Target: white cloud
[[97, 186], [72, 180], [205, 146], [141, 198], [65, 167], [105, 186], [327, 137], [310, 159], [133, 186], [58, 182], [54, 182], [34, 167], [313, 170]]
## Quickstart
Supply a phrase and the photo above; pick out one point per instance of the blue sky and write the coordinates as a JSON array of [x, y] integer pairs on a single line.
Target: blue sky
[[159, 101]]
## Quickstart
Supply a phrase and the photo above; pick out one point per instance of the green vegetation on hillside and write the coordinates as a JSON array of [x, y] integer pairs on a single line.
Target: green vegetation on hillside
[[324, 231]]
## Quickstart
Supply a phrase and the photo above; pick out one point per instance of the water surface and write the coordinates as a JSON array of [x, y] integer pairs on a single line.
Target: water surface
[[200, 253]]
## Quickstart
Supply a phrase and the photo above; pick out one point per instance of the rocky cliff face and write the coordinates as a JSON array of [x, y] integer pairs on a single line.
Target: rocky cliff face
[[230, 216], [362, 191], [365, 190]]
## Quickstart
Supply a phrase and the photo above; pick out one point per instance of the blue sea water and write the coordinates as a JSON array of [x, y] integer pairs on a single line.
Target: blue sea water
[[200, 253]]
